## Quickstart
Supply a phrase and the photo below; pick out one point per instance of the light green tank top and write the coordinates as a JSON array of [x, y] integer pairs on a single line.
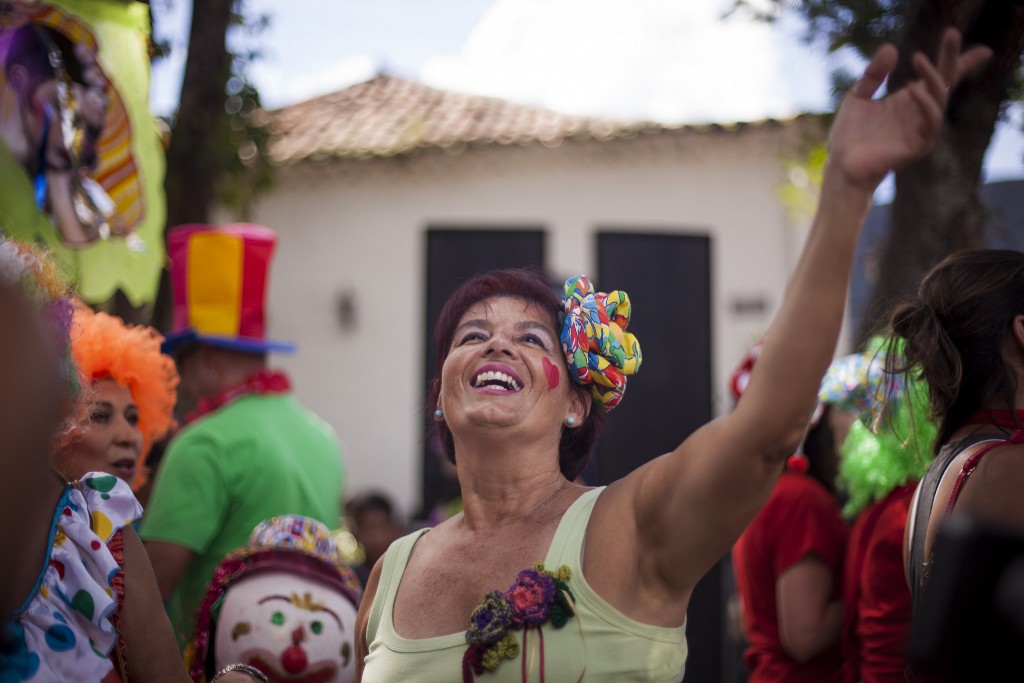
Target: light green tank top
[[599, 644]]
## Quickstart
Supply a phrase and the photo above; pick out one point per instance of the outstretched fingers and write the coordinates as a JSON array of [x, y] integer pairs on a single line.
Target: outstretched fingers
[[971, 61], [933, 79], [931, 91], [949, 53], [930, 107], [953, 66], [881, 65]]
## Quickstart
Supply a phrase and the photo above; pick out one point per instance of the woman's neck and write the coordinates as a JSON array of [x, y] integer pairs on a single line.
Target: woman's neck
[[501, 487]]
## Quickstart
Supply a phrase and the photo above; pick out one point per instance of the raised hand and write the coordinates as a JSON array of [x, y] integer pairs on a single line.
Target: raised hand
[[871, 137]]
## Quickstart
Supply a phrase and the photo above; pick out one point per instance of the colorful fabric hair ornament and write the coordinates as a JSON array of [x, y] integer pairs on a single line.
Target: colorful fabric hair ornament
[[599, 351], [891, 442], [103, 346], [536, 597]]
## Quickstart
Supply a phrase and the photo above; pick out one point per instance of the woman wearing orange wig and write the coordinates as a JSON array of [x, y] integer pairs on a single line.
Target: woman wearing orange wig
[[131, 397]]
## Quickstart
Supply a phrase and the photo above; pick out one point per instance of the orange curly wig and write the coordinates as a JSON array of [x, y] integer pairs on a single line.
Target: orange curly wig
[[104, 346]]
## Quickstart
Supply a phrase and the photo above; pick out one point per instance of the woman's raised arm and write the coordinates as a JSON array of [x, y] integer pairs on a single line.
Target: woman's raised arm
[[690, 506]]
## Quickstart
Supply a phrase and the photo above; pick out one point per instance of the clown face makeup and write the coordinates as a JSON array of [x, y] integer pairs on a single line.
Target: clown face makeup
[[291, 627]]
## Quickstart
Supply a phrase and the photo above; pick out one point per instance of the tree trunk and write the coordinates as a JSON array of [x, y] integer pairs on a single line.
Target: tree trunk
[[193, 167], [937, 207]]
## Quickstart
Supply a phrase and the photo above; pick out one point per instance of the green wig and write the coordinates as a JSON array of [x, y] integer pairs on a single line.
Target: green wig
[[891, 442]]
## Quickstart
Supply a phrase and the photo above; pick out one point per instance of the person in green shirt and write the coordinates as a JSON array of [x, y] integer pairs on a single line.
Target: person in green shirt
[[249, 451]]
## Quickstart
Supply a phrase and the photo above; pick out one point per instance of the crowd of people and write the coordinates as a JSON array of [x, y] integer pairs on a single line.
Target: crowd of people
[[828, 483], [820, 569]]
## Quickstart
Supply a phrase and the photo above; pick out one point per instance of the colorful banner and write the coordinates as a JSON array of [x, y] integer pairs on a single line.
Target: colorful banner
[[81, 163]]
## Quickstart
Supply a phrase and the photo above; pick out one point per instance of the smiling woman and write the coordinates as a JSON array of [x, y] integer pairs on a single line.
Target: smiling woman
[[131, 398], [593, 584], [470, 318]]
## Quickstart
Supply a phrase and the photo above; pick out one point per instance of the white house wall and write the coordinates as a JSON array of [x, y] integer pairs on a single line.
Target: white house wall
[[358, 228]]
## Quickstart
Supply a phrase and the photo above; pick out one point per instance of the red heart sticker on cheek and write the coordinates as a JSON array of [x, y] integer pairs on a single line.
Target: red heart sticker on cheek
[[551, 371]]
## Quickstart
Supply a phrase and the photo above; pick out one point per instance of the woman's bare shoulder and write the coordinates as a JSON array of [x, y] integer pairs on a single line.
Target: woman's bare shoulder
[[993, 489]]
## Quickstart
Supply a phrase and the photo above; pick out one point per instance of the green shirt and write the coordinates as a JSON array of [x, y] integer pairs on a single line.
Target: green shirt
[[258, 457]]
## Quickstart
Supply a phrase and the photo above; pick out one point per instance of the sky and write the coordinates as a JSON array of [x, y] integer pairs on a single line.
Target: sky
[[670, 61]]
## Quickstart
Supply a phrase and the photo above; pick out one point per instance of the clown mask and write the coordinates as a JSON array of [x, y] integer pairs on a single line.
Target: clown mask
[[291, 627]]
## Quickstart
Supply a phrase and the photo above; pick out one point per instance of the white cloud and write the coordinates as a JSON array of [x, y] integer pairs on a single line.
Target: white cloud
[[655, 59], [665, 60]]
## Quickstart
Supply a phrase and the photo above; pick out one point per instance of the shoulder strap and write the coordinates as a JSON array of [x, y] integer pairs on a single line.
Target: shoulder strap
[[566, 544], [968, 469], [395, 559], [922, 511]]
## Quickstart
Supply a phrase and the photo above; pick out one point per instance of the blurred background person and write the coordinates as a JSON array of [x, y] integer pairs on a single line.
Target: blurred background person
[[788, 562], [78, 600], [964, 333], [375, 524], [249, 450], [131, 396], [885, 453]]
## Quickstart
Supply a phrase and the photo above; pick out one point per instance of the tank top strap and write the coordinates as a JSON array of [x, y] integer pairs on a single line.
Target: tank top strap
[[391, 571], [967, 469], [924, 500], [567, 543]]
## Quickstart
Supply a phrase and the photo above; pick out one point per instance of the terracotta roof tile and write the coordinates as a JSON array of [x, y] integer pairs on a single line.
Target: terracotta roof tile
[[390, 116]]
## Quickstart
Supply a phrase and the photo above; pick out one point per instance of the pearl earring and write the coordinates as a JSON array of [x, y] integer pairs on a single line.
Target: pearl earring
[[438, 414], [570, 421]]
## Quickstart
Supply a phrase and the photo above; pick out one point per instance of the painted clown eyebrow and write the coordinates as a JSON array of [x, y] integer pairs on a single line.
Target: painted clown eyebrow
[[273, 597], [292, 602]]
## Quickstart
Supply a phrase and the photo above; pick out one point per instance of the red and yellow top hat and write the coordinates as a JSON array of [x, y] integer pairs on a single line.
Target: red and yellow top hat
[[219, 282]]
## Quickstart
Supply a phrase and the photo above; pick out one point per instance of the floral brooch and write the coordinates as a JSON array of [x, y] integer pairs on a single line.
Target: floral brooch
[[537, 596]]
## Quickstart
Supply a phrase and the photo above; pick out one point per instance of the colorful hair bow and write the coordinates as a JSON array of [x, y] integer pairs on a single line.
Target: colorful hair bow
[[599, 351]]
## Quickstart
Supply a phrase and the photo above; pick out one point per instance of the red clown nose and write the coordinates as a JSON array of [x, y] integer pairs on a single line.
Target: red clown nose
[[294, 660]]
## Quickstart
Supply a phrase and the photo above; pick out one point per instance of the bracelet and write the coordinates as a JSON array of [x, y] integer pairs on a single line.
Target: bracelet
[[244, 668]]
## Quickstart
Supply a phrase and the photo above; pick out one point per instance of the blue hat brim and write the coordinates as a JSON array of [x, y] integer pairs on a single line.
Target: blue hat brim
[[174, 341]]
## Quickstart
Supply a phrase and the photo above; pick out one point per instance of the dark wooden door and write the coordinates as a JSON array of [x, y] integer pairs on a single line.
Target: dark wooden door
[[453, 256], [668, 279]]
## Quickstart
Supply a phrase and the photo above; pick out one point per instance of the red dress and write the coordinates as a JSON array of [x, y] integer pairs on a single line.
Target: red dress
[[876, 598], [799, 519]]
